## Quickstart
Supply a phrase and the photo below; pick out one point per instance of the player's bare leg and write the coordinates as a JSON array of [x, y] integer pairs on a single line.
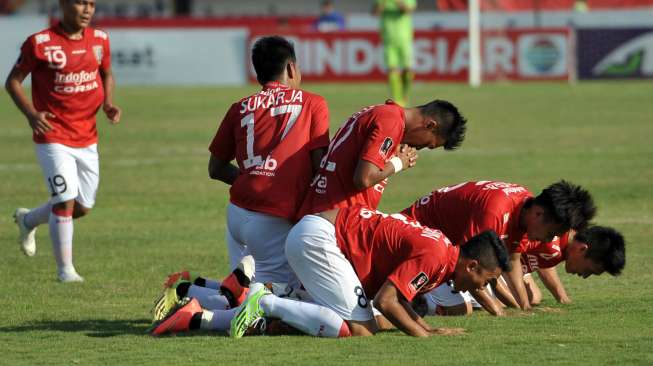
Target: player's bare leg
[[407, 77], [396, 86], [61, 234], [362, 328]]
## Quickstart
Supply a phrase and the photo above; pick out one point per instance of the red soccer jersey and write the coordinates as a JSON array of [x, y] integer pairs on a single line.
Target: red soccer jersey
[[382, 247], [536, 254], [372, 134], [467, 209], [271, 135], [66, 82]]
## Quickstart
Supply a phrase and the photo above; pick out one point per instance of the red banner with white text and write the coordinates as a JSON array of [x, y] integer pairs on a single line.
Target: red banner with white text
[[518, 54]]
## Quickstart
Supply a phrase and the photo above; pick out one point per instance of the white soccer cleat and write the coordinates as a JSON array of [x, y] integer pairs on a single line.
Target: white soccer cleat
[[70, 277], [26, 237], [247, 266]]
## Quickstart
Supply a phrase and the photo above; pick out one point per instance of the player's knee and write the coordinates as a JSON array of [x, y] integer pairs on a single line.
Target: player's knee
[[63, 208], [363, 328], [80, 211]]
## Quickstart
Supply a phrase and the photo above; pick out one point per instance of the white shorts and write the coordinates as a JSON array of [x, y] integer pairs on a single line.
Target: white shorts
[[327, 276], [264, 237], [70, 173]]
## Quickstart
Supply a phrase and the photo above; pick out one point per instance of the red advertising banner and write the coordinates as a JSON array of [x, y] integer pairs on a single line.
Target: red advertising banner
[[516, 54]]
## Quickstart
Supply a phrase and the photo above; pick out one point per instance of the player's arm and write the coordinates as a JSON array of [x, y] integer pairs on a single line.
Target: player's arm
[[504, 295], [222, 170], [488, 303], [316, 158], [377, 8], [37, 119], [549, 277], [112, 111], [515, 280], [405, 7], [368, 174], [394, 306]]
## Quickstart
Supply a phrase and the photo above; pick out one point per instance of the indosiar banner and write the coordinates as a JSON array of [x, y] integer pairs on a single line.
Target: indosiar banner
[[609, 53]]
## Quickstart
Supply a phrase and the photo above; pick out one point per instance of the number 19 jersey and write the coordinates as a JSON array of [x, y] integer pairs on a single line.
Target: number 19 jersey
[[271, 135]]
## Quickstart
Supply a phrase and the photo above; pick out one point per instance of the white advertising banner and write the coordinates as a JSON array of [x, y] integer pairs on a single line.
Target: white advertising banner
[[13, 32], [151, 56]]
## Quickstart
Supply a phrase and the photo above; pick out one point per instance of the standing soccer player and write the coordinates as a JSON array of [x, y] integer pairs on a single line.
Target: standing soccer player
[[278, 137], [70, 65], [397, 36], [366, 150], [463, 210]]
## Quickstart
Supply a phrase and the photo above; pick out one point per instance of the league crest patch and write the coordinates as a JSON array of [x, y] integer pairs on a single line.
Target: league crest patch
[[386, 146], [419, 281], [98, 51]]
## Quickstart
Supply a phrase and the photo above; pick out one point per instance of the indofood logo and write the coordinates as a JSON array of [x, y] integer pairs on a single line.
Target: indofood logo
[[633, 58], [543, 55]]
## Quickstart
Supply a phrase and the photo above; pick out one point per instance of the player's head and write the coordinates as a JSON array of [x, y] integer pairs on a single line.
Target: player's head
[[77, 14], [438, 123], [274, 59], [481, 261], [595, 250], [560, 207]]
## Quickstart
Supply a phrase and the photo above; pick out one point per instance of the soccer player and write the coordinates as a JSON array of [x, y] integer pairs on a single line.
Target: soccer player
[[365, 151], [344, 255], [397, 36], [70, 64], [277, 137], [591, 251], [463, 210]]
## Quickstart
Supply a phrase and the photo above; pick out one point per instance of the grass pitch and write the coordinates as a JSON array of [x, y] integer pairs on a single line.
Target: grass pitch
[[157, 212]]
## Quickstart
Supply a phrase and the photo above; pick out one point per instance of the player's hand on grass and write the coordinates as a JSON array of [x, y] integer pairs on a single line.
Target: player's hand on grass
[[113, 113], [447, 331], [565, 300], [39, 122], [408, 156]]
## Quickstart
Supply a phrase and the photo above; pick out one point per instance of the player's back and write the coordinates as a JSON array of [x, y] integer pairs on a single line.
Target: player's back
[[271, 135], [372, 134], [466, 209], [377, 244]]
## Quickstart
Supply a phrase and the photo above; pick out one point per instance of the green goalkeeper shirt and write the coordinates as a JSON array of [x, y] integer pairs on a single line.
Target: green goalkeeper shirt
[[396, 27]]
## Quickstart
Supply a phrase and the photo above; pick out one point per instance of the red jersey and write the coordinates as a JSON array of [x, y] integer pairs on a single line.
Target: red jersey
[[373, 134], [271, 135], [382, 247], [536, 254], [66, 82], [467, 209]]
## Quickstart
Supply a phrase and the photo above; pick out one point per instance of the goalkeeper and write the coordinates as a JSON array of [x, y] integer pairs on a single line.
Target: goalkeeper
[[397, 36]]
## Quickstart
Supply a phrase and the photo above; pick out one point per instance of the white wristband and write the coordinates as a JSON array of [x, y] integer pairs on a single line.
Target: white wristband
[[397, 164]]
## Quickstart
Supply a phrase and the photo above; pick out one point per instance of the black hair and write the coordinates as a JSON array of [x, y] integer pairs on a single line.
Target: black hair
[[488, 249], [606, 246], [566, 204], [451, 124], [270, 55]]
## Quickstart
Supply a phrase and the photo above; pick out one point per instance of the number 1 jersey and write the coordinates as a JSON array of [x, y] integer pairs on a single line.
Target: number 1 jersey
[[271, 135]]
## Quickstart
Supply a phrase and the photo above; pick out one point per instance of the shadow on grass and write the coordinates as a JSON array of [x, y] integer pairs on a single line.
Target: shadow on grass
[[99, 328]]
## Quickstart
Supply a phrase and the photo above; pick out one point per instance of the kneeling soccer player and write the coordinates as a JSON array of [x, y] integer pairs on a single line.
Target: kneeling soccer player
[[332, 254]]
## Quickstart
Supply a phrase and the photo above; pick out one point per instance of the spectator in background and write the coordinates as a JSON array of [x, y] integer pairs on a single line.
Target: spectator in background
[[8, 7], [330, 19], [397, 36]]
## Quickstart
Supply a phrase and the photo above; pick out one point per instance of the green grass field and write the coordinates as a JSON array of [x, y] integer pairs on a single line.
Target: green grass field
[[157, 212]]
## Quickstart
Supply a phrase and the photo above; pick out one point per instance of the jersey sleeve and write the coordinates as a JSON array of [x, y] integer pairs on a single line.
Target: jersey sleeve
[[106, 55], [223, 145], [27, 59], [419, 271], [382, 141], [319, 125]]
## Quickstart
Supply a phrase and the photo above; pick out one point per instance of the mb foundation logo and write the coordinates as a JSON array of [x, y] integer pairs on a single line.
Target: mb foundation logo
[[633, 58]]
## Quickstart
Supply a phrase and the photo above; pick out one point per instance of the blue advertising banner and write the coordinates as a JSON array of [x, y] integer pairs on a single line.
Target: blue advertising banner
[[615, 53]]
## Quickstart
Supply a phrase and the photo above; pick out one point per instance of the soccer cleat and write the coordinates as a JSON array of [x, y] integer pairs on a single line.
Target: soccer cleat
[[249, 311], [174, 278], [247, 266], [166, 301], [25, 236], [70, 277], [178, 319]]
